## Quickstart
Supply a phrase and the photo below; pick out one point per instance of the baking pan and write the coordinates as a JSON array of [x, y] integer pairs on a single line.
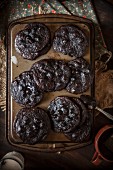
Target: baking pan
[[55, 141]]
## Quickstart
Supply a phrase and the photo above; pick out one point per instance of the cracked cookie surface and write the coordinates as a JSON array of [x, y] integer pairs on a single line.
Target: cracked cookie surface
[[70, 40], [24, 90], [32, 125], [33, 41], [51, 75]]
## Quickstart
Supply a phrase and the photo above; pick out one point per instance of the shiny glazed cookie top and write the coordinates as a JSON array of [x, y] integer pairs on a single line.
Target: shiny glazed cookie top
[[24, 90], [33, 41], [32, 125], [64, 114], [51, 75], [70, 40]]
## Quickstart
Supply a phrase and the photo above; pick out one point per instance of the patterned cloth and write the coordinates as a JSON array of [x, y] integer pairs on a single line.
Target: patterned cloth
[[82, 8]]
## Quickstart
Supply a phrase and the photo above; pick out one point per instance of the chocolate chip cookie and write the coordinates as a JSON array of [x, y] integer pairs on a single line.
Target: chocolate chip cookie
[[32, 125], [82, 108], [33, 41], [81, 76], [51, 75], [81, 133], [24, 90], [70, 40], [64, 114]]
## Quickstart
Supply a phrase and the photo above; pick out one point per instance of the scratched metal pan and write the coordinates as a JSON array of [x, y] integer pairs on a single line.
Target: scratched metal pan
[[55, 141]]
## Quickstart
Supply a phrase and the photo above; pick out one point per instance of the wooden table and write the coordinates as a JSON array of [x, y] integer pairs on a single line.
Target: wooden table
[[74, 159]]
